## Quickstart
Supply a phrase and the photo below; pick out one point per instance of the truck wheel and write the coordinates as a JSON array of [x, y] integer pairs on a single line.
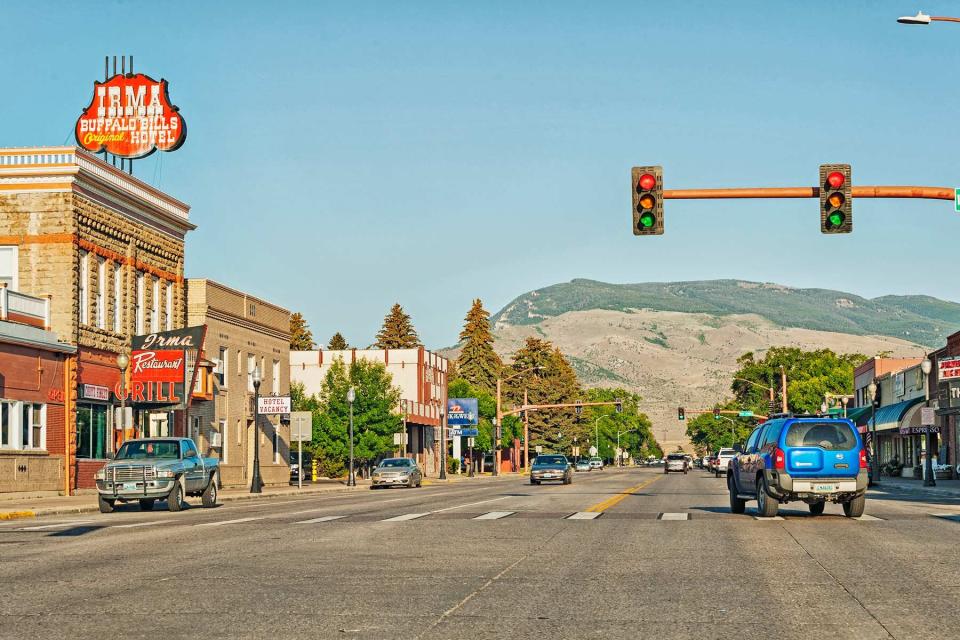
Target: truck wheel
[[146, 504], [816, 508], [175, 498], [736, 504], [532, 481], [106, 506], [767, 507], [854, 508], [209, 496]]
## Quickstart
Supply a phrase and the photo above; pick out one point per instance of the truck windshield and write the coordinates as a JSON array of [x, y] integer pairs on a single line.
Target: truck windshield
[[832, 436], [148, 449]]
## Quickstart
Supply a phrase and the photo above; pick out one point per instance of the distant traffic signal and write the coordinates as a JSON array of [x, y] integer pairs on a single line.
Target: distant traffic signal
[[716, 414], [680, 414], [647, 201], [619, 406], [578, 408], [836, 203]]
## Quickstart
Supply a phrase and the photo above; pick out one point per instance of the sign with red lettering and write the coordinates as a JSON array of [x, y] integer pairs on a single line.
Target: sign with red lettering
[[130, 116], [949, 368], [157, 366]]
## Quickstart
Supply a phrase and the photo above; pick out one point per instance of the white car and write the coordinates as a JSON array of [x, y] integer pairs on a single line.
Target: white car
[[723, 460], [596, 463]]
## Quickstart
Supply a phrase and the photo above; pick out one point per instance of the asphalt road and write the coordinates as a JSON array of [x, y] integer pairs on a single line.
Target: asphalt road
[[618, 554]]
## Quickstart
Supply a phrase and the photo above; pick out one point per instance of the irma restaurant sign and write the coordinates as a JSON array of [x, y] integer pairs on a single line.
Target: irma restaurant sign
[[130, 116]]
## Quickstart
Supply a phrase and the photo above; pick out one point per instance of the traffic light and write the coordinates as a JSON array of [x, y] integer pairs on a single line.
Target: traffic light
[[876, 397], [680, 414], [578, 408], [647, 201], [716, 414], [619, 406], [836, 203]]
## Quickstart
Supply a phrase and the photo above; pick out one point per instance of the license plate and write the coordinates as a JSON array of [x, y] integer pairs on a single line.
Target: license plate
[[129, 486], [826, 487], [549, 475]]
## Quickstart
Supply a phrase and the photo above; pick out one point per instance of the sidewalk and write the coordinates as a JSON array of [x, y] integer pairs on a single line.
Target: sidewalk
[[944, 488]]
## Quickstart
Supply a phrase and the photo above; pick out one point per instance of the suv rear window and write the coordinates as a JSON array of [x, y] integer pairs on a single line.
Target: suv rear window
[[727, 452], [676, 456], [832, 436]]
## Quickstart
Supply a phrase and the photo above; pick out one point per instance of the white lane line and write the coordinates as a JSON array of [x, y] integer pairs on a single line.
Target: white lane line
[[584, 515], [296, 513], [868, 518], [470, 504], [321, 519], [55, 526], [674, 516], [762, 519], [223, 522], [947, 516], [495, 515], [140, 524], [406, 516]]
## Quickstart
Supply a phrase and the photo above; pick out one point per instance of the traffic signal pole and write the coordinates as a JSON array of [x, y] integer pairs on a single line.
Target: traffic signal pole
[[929, 193]]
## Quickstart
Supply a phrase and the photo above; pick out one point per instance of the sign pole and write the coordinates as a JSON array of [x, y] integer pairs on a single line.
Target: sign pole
[[300, 454]]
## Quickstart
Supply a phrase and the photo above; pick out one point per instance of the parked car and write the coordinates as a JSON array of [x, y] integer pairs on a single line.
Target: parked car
[[396, 472], [813, 460], [596, 463], [676, 462], [723, 458], [705, 462], [582, 465], [711, 463], [295, 470], [551, 467], [151, 469]]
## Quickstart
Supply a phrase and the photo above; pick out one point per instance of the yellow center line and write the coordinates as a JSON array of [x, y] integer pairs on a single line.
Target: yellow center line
[[614, 500]]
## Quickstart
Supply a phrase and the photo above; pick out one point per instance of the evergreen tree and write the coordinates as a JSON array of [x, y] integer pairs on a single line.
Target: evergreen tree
[[337, 342], [397, 331], [478, 363], [301, 338]]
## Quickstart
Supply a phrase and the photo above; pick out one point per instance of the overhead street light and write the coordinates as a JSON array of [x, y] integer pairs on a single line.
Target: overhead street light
[[922, 18]]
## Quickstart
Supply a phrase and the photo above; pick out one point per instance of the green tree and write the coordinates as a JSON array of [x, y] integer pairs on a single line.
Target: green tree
[[707, 433], [301, 338], [337, 342], [634, 426], [478, 363], [397, 331]]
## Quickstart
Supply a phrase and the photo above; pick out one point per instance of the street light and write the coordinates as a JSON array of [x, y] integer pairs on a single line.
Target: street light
[[875, 444], [920, 18], [620, 453], [928, 481], [351, 396], [498, 422], [256, 483], [443, 442], [123, 361]]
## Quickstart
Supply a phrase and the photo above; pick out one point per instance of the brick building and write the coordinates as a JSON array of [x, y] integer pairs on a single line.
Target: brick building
[[243, 332], [109, 250]]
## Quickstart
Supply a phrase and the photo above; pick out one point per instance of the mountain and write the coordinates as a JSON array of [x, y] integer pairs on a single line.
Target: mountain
[[677, 343], [920, 319]]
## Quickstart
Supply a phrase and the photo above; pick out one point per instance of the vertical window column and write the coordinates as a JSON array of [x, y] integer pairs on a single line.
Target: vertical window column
[[117, 297], [141, 304], [155, 306], [169, 301], [84, 292], [101, 293]]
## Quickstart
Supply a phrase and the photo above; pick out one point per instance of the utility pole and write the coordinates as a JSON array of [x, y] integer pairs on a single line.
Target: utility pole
[[783, 387], [526, 434]]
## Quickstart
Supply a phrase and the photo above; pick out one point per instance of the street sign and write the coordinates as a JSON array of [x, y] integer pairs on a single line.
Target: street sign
[[462, 412], [539, 448], [301, 426], [471, 442], [400, 438], [927, 416], [273, 405], [457, 433], [956, 200], [576, 451], [593, 451], [745, 414]]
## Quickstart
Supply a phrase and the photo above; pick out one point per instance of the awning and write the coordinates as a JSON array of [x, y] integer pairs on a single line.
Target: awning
[[859, 415], [889, 417]]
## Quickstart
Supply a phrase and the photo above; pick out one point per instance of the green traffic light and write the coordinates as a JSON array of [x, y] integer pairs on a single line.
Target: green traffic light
[[836, 219], [646, 220]]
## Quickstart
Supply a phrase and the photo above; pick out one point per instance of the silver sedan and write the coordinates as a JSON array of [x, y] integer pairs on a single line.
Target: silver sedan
[[396, 472]]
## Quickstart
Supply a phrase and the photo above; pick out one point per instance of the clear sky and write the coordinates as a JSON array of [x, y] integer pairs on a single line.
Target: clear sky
[[344, 156]]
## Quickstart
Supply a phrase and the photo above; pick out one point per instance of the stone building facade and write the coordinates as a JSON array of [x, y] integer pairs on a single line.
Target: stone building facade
[[243, 332], [109, 251]]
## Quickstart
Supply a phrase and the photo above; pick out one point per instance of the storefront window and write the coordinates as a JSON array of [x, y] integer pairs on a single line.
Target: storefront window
[[91, 431], [6, 425]]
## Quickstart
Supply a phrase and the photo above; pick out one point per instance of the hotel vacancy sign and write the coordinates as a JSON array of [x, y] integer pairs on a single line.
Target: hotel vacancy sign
[[273, 405], [130, 116]]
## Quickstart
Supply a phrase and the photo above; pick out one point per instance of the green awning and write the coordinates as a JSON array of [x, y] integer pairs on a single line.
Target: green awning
[[859, 415], [889, 417]]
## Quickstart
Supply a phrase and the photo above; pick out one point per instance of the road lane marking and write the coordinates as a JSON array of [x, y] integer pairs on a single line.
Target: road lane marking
[[868, 518], [614, 500], [139, 524], [406, 516], [44, 527], [495, 515], [223, 522], [947, 516], [470, 504], [761, 518], [321, 519], [584, 515], [674, 516]]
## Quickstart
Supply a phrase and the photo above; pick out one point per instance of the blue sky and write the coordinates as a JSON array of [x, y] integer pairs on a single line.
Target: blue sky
[[345, 156]]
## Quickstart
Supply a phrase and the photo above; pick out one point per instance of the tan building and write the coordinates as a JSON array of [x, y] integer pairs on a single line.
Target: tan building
[[243, 332], [108, 251]]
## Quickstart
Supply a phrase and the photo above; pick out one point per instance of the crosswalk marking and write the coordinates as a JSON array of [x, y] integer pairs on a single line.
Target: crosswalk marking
[[139, 524], [57, 525], [761, 518], [947, 516], [584, 515], [223, 522], [868, 518], [406, 516], [674, 516], [495, 515], [321, 519]]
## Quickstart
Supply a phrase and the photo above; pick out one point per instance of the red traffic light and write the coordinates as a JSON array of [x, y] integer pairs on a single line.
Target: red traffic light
[[647, 182], [835, 179]]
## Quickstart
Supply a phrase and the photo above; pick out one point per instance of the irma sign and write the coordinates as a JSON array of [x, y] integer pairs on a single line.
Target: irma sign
[[130, 116]]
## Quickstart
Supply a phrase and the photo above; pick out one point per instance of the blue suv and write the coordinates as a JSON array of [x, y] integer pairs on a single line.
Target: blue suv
[[813, 460]]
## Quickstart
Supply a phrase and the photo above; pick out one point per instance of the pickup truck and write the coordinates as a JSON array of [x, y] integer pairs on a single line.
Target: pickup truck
[[151, 469]]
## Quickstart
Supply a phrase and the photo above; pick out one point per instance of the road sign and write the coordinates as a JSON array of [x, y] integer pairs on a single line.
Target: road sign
[[576, 451], [539, 448], [593, 451], [745, 414], [927, 416], [301, 426], [456, 433], [956, 200]]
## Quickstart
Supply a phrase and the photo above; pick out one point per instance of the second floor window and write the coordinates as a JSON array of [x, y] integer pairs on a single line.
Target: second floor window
[[9, 259], [223, 366], [155, 306], [140, 303], [101, 293], [169, 294], [84, 292], [117, 298]]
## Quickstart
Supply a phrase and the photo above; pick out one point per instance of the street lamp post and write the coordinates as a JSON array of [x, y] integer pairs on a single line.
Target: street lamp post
[[619, 453], [123, 360], [922, 18], [351, 478], [498, 422], [872, 394], [443, 442], [256, 483], [928, 480]]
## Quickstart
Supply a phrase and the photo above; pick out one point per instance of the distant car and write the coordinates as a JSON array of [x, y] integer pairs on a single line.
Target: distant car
[[723, 458], [704, 462], [596, 463], [551, 467], [295, 470], [676, 462], [393, 472], [582, 465]]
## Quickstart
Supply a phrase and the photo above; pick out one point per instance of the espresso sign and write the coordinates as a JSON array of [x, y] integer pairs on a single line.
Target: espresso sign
[[130, 116]]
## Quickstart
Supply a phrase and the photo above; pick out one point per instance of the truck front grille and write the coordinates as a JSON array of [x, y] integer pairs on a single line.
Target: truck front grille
[[127, 474]]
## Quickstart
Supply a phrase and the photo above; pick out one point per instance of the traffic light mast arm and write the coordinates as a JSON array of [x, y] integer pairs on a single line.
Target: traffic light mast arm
[[724, 412], [562, 405], [883, 191]]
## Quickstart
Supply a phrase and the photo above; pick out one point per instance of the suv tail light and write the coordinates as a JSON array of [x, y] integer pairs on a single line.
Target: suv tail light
[[863, 458], [779, 459]]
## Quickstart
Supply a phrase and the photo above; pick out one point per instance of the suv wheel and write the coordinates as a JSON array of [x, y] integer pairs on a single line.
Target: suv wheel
[[736, 504], [767, 507], [816, 508], [854, 508]]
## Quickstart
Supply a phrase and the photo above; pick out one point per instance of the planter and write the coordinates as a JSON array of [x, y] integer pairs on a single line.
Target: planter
[[907, 472], [945, 474]]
